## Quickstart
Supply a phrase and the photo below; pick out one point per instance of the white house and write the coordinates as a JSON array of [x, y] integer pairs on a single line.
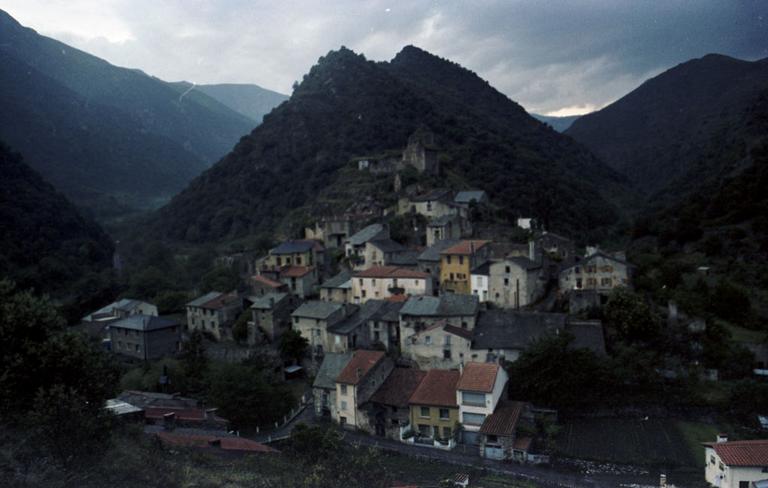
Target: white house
[[480, 278], [477, 393], [385, 281], [736, 464]]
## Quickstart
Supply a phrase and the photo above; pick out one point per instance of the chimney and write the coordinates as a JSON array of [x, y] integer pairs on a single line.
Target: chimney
[[532, 250], [722, 438], [663, 481], [169, 421]]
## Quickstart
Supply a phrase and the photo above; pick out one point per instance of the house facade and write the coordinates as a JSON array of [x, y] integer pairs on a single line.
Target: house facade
[[214, 313], [434, 412], [357, 382], [324, 386], [121, 309], [388, 408], [457, 262], [499, 436], [452, 226], [312, 320], [145, 337], [515, 282], [355, 247], [433, 204], [381, 252], [300, 280], [271, 314], [599, 272], [302, 252], [736, 464], [478, 391], [382, 282], [440, 346], [337, 289], [424, 312]]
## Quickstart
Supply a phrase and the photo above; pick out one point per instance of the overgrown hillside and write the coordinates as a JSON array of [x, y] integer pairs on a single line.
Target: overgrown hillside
[[347, 107], [44, 242], [251, 101], [104, 134], [662, 135]]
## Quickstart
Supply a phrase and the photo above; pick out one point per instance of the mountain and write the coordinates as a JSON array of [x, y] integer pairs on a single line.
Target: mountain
[[45, 242], [249, 100], [560, 124], [661, 134], [102, 133], [347, 106]]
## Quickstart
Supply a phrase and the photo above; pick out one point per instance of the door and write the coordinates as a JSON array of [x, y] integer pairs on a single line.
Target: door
[[494, 452], [470, 438]]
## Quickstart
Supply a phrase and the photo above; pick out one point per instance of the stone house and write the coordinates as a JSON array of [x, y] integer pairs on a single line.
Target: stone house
[[312, 320], [420, 153], [262, 285], [457, 262], [145, 337], [467, 197], [337, 289], [357, 382], [386, 281], [736, 464], [172, 410], [121, 309], [333, 231], [300, 280], [600, 272], [555, 246], [499, 437], [381, 252], [352, 332], [302, 252], [355, 247], [452, 226], [438, 345], [432, 204], [214, 312], [478, 391], [324, 386], [271, 314], [515, 282], [434, 411], [384, 325], [480, 279], [388, 408]]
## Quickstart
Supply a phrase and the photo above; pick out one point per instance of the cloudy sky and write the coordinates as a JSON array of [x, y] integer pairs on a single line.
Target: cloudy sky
[[551, 56]]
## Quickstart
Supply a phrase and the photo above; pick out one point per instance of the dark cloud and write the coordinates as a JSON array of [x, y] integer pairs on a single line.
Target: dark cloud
[[547, 55]]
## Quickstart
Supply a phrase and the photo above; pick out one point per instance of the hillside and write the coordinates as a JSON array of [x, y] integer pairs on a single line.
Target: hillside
[[44, 241], [249, 100], [100, 132], [347, 107], [659, 134], [560, 124]]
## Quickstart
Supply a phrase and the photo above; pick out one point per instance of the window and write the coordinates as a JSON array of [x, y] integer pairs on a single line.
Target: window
[[343, 389], [360, 280], [363, 293], [279, 261], [428, 340], [506, 281], [578, 282], [317, 332], [424, 412], [461, 259], [506, 269], [295, 320], [605, 282], [473, 418], [343, 420], [373, 281], [447, 432], [298, 259], [712, 459], [448, 259], [343, 404], [743, 484], [591, 282], [471, 398], [446, 354], [445, 414], [492, 438], [376, 336], [288, 260], [337, 340], [577, 270], [138, 348]]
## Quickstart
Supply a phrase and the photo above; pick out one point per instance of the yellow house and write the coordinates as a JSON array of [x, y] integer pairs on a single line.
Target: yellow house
[[434, 412], [457, 262], [295, 253]]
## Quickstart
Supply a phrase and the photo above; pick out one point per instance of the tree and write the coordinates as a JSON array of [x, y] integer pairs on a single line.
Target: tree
[[293, 346], [631, 317], [240, 327], [194, 362]]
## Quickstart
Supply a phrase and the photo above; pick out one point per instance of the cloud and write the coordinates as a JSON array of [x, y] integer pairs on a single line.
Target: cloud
[[548, 56]]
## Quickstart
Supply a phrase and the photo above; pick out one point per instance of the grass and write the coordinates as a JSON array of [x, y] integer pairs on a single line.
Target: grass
[[694, 434]]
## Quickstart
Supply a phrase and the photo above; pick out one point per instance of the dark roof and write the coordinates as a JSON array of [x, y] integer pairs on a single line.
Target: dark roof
[[603, 255], [387, 245], [432, 253], [483, 269], [438, 388], [458, 331], [337, 280], [587, 334], [315, 309], [405, 258], [144, 323], [213, 300], [389, 311], [367, 234], [743, 453], [469, 195], [432, 195], [479, 377], [357, 318], [296, 246], [358, 367], [503, 420], [227, 443], [333, 364], [125, 305], [398, 387], [269, 300], [442, 220], [448, 305], [524, 262], [144, 399], [503, 329]]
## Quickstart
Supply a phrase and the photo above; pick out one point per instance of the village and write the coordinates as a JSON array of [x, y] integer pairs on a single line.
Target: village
[[403, 341]]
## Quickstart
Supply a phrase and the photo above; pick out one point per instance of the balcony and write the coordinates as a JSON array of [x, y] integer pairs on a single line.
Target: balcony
[[409, 436]]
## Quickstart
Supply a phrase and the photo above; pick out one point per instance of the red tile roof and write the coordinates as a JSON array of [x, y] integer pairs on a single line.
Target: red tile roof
[[743, 453], [398, 387], [295, 271], [478, 377], [465, 247], [220, 301], [503, 421], [438, 388], [227, 443], [361, 363], [266, 281], [391, 272], [458, 331], [397, 298], [184, 414]]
